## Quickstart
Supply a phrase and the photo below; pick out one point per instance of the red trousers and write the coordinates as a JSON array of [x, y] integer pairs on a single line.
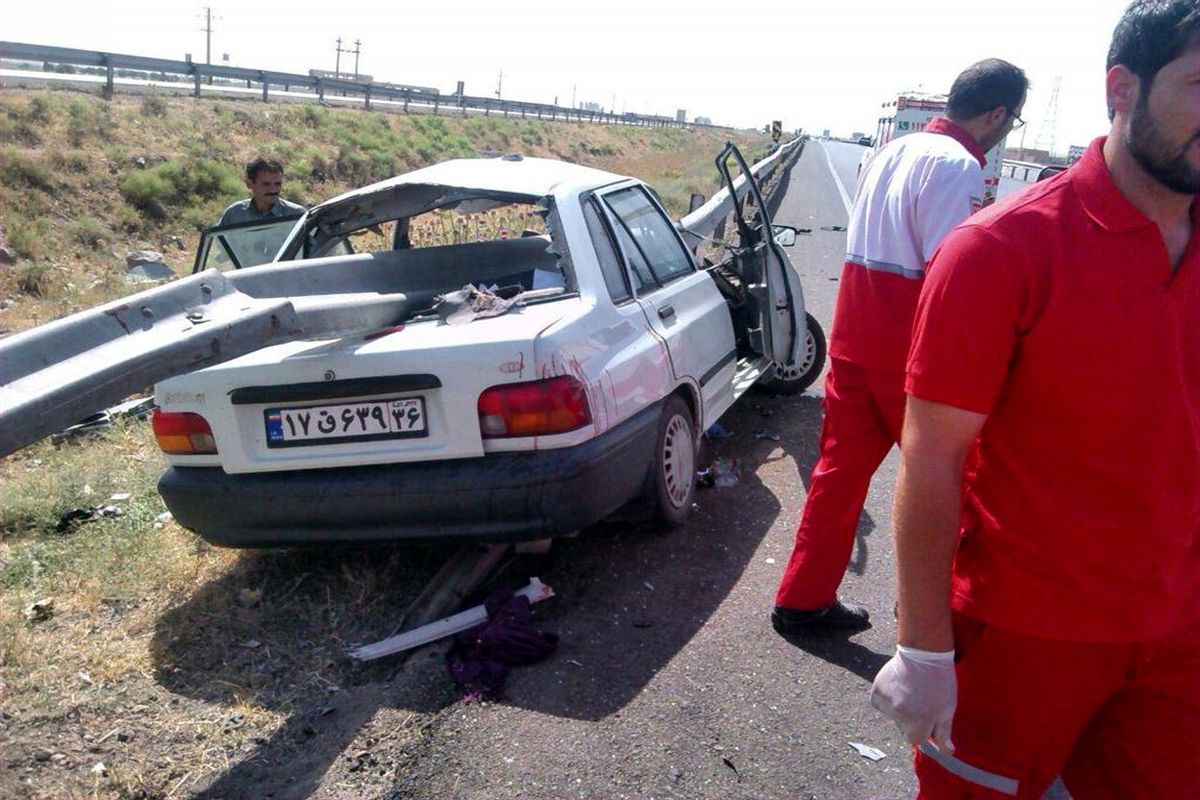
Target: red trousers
[[1117, 721], [864, 411]]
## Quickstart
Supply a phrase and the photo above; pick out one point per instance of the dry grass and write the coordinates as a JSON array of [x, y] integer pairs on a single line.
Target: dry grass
[[84, 181]]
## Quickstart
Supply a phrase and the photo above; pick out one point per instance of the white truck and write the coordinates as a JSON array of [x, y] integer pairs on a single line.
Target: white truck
[[911, 112]]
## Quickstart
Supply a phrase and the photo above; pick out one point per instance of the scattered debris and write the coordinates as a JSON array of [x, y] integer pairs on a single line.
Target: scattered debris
[[764, 434], [834, 228], [99, 421], [480, 656], [721, 473], [868, 752], [233, 722], [648, 585], [99, 769], [250, 644], [718, 431], [40, 610], [770, 561], [84, 677], [78, 516], [8, 256], [137, 408], [119, 497], [535, 592], [730, 764]]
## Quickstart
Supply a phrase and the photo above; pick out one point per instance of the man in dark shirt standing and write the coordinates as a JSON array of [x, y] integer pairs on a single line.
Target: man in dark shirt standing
[[264, 177]]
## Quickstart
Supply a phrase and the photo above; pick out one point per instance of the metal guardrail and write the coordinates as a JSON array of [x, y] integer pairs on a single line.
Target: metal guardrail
[[705, 220], [62, 371], [1025, 171], [320, 86]]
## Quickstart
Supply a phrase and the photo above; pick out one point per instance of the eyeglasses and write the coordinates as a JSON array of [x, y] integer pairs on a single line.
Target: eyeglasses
[[1017, 121]]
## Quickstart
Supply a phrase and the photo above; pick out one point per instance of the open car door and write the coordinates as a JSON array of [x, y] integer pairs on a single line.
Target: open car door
[[771, 282], [243, 244]]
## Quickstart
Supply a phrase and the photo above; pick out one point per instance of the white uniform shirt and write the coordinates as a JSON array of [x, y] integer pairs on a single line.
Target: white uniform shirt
[[910, 195]]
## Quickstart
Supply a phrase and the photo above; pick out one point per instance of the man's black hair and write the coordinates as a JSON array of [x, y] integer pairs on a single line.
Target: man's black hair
[[986, 85], [261, 164], [1152, 34]]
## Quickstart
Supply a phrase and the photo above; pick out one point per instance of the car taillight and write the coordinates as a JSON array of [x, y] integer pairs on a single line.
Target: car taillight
[[183, 433], [556, 405]]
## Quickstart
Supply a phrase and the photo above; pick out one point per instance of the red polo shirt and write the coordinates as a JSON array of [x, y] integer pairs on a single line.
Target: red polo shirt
[[1058, 314]]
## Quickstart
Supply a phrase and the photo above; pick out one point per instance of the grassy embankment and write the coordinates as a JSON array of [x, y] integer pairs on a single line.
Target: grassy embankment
[[142, 661]]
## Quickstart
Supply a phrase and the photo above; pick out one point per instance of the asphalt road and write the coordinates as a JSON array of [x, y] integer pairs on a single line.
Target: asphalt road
[[669, 682]]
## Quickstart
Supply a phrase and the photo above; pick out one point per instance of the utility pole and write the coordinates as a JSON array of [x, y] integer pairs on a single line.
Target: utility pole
[[573, 88], [208, 31], [499, 84], [337, 64], [357, 50]]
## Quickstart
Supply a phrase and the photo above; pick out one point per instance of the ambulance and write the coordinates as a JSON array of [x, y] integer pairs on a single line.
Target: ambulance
[[911, 112]]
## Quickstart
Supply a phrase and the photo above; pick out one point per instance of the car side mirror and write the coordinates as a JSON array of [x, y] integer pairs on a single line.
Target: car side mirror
[[785, 235]]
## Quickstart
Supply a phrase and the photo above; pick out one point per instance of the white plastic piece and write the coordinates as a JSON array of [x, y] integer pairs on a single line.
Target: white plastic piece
[[536, 591]]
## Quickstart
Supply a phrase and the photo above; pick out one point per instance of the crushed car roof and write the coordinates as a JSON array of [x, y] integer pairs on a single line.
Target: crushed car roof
[[514, 175]]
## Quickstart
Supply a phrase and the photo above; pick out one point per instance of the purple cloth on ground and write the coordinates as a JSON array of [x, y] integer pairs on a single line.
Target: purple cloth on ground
[[480, 657]]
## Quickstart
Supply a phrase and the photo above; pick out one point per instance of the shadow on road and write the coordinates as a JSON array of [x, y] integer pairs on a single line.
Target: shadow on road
[[271, 633]]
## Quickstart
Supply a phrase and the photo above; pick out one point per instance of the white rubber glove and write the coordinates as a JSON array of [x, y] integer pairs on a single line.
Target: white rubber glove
[[918, 690]]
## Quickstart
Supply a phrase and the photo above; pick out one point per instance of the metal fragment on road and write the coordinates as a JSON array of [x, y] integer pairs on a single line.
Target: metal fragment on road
[[535, 591], [868, 752]]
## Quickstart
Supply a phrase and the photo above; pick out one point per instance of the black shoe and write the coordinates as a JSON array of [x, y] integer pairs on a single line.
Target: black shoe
[[837, 618]]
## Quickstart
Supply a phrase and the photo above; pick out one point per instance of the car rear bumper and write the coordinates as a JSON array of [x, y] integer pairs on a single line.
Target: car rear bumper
[[499, 497]]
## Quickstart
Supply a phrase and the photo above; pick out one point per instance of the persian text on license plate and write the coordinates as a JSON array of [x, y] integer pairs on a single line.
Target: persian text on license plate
[[346, 422]]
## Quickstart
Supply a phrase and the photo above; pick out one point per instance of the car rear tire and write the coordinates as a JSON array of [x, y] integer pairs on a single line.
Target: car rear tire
[[674, 470], [798, 377]]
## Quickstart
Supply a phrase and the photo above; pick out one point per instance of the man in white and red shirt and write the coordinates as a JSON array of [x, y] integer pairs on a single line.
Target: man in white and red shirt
[[910, 195], [1049, 601]]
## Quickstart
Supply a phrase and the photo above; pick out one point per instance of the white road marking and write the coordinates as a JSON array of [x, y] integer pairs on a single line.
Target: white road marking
[[837, 180]]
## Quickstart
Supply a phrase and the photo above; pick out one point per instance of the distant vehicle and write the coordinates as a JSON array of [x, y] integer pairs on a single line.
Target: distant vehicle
[[572, 376], [865, 141], [911, 112]]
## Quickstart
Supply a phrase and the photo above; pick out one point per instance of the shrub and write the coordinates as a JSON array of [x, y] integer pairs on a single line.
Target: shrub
[[28, 238], [313, 116], [149, 191], [178, 183], [154, 105], [33, 278], [91, 232], [75, 161], [18, 168], [41, 109]]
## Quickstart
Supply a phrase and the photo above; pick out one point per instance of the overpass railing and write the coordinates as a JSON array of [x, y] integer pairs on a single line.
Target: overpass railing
[[317, 85]]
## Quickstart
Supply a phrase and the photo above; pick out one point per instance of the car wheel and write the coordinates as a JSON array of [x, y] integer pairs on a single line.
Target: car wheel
[[674, 469], [794, 379]]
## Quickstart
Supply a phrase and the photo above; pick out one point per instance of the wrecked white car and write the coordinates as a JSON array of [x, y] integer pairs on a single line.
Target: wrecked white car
[[526, 386], [555, 363]]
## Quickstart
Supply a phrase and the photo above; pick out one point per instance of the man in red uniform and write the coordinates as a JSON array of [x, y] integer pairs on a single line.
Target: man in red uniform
[[910, 195], [1049, 615]]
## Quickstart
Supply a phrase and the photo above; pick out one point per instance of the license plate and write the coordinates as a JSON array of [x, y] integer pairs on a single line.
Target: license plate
[[399, 418]]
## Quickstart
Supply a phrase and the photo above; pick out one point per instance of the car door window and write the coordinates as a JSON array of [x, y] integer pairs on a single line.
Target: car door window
[[610, 264], [647, 238], [243, 244]]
